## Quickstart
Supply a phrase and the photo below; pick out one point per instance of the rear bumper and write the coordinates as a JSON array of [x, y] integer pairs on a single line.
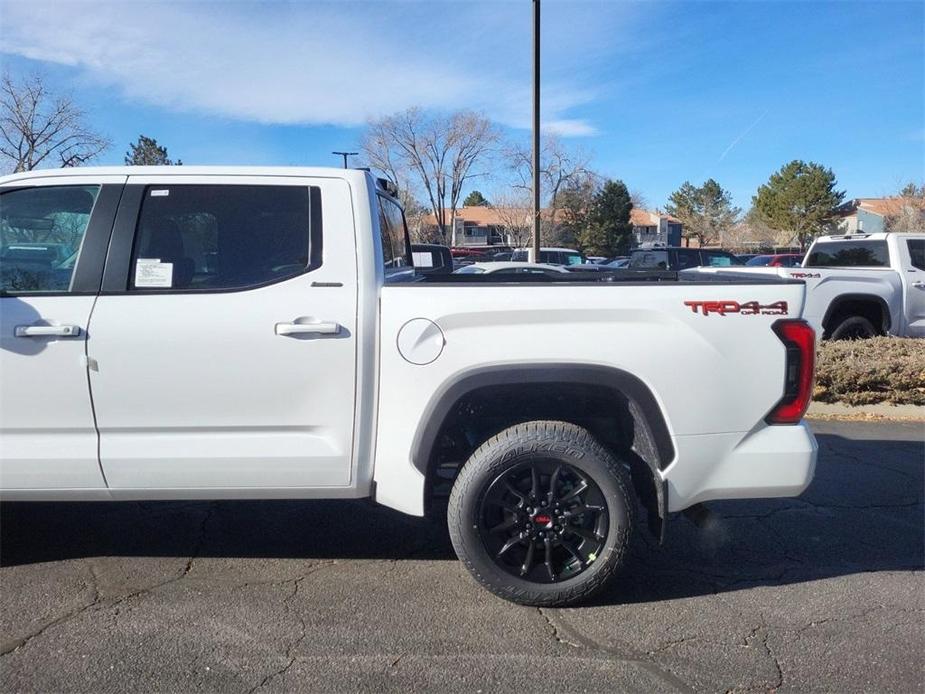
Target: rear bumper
[[773, 461]]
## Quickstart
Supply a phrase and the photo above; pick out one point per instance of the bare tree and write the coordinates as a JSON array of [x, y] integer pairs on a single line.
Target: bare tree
[[559, 168], [906, 212], [515, 214], [752, 233], [640, 202], [437, 152], [38, 128]]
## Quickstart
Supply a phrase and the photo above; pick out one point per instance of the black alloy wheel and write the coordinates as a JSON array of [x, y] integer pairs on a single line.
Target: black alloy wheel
[[543, 521], [542, 514]]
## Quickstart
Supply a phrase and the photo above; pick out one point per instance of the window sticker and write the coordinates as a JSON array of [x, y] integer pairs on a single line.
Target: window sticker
[[423, 259], [151, 272], [160, 193]]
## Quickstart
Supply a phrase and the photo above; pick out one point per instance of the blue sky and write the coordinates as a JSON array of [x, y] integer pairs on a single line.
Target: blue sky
[[658, 92]]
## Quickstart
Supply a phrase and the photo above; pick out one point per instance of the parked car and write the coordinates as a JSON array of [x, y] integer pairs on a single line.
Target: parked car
[[510, 268], [679, 258], [501, 257], [862, 285], [776, 260], [617, 264], [543, 410], [745, 257], [549, 256], [596, 259]]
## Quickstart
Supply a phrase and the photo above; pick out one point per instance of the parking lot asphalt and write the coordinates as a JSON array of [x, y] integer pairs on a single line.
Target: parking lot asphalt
[[821, 593]]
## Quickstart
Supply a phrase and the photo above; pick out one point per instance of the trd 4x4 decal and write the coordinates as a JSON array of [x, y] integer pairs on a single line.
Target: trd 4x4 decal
[[749, 308]]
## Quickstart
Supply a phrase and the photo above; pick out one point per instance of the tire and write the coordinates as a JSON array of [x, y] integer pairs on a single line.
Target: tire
[[853, 328], [579, 524]]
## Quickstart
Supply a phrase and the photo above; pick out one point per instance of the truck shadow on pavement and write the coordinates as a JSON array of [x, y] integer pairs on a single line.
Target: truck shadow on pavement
[[863, 513]]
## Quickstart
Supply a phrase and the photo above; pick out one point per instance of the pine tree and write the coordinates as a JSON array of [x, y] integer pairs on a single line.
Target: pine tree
[[706, 212], [146, 152], [608, 231], [800, 199], [476, 199]]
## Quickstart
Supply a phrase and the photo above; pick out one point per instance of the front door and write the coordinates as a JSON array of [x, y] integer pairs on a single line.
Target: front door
[[52, 241], [224, 355]]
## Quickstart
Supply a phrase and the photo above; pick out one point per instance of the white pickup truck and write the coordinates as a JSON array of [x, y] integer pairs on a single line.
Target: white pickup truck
[[859, 285], [230, 333]]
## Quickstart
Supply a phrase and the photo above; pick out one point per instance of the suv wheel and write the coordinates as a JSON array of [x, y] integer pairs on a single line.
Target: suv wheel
[[541, 514]]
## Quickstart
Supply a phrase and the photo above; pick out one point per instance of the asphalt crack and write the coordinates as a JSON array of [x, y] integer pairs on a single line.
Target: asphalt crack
[[554, 629], [303, 629], [99, 602], [566, 634], [774, 661]]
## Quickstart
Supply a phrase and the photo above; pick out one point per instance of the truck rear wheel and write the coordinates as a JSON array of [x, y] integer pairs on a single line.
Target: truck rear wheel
[[541, 514], [853, 328]]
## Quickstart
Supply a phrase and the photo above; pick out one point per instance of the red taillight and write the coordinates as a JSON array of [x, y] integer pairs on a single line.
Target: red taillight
[[800, 342]]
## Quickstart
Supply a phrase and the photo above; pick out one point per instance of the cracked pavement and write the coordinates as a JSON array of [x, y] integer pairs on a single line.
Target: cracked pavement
[[822, 593]]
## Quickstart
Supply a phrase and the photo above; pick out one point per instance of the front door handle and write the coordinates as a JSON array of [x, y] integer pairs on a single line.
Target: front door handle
[[46, 330], [320, 328], [919, 284]]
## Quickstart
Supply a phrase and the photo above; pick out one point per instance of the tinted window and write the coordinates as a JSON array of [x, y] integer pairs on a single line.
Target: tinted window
[[719, 259], [560, 257], [393, 235], [759, 260], [849, 254], [519, 256], [917, 252], [649, 260], [193, 237], [41, 231], [686, 259]]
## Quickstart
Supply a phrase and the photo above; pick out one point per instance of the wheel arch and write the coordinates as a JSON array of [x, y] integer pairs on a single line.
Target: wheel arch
[[651, 441], [844, 300]]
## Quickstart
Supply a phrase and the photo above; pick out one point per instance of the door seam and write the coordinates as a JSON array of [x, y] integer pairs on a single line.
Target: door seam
[[87, 361]]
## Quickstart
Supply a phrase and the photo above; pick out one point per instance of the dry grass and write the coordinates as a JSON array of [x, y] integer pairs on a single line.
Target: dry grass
[[864, 372]]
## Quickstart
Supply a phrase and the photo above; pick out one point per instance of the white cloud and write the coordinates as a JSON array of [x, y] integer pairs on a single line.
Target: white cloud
[[298, 63], [569, 127]]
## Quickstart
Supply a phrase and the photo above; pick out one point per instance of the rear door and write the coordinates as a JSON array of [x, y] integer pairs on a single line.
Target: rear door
[[53, 238], [912, 272], [223, 345]]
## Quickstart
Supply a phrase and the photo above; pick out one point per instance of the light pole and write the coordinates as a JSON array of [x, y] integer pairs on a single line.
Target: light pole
[[345, 155], [536, 131]]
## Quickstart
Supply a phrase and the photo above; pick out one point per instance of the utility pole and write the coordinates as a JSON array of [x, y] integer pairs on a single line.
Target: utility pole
[[345, 155], [536, 131]]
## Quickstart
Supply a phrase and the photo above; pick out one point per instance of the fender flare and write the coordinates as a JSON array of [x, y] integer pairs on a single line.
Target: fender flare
[[873, 298], [651, 438]]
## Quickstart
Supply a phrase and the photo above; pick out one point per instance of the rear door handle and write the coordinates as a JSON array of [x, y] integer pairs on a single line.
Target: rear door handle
[[321, 328], [46, 330], [918, 283]]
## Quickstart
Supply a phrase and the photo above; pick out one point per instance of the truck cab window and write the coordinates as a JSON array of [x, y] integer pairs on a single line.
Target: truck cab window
[[917, 252], [863, 253], [41, 232], [394, 235], [212, 237]]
